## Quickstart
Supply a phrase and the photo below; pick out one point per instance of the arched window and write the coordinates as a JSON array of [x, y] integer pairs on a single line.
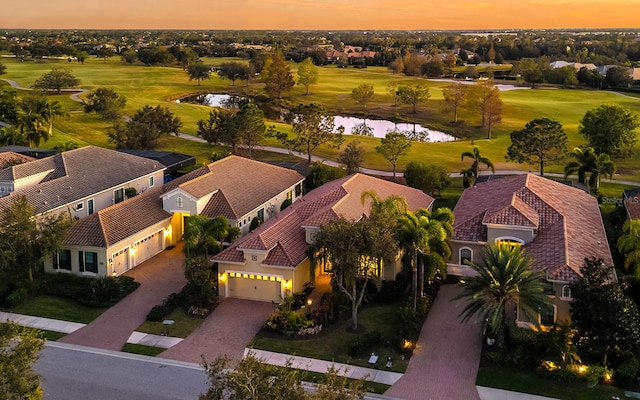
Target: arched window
[[179, 202], [566, 292], [466, 255], [510, 240]]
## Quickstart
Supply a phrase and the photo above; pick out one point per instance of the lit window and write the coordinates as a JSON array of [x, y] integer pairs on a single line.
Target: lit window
[[509, 241]]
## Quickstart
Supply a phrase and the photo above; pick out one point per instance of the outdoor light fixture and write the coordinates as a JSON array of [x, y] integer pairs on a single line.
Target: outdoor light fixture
[[309, 302]]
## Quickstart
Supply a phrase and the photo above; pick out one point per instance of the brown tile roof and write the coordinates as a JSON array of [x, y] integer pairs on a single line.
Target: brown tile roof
[[632, 204], [76, 174], [244, 184], [284, 236], [568, 221], [9, 158]]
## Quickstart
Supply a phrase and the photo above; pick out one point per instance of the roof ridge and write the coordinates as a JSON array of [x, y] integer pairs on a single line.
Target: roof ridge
[[104, 234]]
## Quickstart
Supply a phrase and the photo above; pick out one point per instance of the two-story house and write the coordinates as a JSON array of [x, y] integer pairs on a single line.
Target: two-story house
[[558, 225], [272, 261], [118, 238]]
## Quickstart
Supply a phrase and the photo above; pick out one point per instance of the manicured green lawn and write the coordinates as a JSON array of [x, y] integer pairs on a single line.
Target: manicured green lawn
[[58, 308], [142, 349], [144, 85], [334, 342], [182, 327], [52, 335], [518, 380]]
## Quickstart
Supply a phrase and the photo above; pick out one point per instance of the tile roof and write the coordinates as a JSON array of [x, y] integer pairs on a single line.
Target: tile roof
[[632, 203], [76, 174], [8, 158], [566, 220], [283, 236], [244, 184]]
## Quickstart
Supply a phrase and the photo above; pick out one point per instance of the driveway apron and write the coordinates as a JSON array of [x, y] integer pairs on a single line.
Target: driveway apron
[[226, 331], [159, 277], [445, 362]]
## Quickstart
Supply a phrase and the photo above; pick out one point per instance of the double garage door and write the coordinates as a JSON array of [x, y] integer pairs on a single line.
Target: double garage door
[[253, 287], [147, 248]]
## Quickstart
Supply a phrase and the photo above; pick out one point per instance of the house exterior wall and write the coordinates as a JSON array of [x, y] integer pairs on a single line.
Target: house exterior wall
[[179, 202], [75, 262], [455, 265], [301, 275], [494, 233]]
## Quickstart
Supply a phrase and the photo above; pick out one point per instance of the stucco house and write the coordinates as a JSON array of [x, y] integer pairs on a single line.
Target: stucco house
[[557, 224], [272, 261], [118, 238]]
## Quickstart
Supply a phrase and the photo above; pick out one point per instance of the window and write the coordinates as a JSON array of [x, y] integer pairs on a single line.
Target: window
[[90, 209], [91, 262], [299, 190], [179, 202], [566, 292], [466, 255], [64, 260], [151, 181], [80, 206], [118, 196], [54, 259], [548, 315], [261, 214], [510, 241]]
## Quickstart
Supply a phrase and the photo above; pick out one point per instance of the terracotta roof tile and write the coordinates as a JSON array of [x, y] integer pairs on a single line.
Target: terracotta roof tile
[[568, 221], [283, 235], [632, 204], [9, 158], [218, 205]]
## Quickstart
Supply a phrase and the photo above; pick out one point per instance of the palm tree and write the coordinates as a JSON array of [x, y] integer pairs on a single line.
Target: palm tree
[[392, 206], [49, 111], [10, 136], [30, 124], [629, 245], [414, 233], [504, 278], [204, 236], [602, 166], [467, 177], [477, 160], [583, 163]]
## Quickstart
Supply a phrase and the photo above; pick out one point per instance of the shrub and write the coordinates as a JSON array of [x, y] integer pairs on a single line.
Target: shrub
[[158, 313], [17, 297], [285, 204], [99, 292], [627, 372], [557, 374], [364, 343], [104, 291], [287, 322], [389, 291]]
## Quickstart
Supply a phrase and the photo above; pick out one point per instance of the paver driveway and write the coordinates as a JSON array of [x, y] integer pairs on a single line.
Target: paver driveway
[[159, 277], [445, 363], [227, 330]]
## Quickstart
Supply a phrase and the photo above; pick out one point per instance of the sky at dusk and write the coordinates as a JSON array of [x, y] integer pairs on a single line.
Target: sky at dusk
[[318, 14]]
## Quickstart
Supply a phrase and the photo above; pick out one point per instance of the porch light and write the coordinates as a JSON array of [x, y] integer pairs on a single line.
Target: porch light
[[167, 232], [407, 344], [222, 277]]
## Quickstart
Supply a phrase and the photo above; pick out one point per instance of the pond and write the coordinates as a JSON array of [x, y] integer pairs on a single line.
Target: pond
[[215, 100], [380, 127]]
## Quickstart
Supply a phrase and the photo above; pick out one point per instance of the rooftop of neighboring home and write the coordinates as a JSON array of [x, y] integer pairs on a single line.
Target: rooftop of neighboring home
[[566, 221], [240, 185], [73, 175], [632, 203], [284, 236], [9, 158]]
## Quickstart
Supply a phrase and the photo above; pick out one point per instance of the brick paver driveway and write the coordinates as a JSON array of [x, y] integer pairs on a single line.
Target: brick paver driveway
[[227, 330], [159, 277], [445, 363]]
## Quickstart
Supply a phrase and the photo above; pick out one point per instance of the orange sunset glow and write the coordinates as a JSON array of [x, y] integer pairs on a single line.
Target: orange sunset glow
[[318, 14]]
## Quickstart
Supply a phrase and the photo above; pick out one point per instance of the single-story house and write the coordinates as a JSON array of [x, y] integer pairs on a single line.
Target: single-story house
[[272, 261], [631, 200], [118, 238], [173, 162], [558, 225]]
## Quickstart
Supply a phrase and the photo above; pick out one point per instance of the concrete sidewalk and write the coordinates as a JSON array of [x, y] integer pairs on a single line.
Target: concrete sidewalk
[[486, 393], [321, 366], [146, 339]]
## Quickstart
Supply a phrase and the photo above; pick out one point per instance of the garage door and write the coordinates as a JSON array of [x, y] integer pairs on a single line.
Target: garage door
[[254, 287], [120, 261], [148, 247]]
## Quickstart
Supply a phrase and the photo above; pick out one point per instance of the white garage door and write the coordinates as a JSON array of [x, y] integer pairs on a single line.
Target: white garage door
[[257, 288], [148, 247], [120, 261]]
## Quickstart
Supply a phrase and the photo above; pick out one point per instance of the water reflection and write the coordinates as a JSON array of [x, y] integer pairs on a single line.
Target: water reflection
[[380, 127], [216, 100]]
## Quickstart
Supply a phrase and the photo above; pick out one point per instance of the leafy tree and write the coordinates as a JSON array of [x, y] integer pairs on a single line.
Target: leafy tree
[[10, 136], [145, 128], [129, 56], [504, 279], [530, 71], [186, 57], [233, 71], [413, 95], [611, 129], [19, 350], [629, 245], [363, 94], [392, 88], [362, 129], [590, 78], [565, 76], [8, 106], [587, 161], [81, 56], [321, 174], [477, 160], [105, 102], [307, 74], [221, 127], [105, 52], [431, 179], [50, 111], [3, 69], [607, 321], [455, 96], [541, 141], [56, 79], [618, 77], [198, 71], [486, 99], [396, 66], [31, 123], [277, 76], [352, 157], [250, 125], [433, 68], [393, 146], [314, 126], [254, 380], [470, 73]]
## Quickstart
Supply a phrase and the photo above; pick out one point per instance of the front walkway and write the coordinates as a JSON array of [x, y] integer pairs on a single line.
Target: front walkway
[[226, 331], [445, 362], [159, 277]]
